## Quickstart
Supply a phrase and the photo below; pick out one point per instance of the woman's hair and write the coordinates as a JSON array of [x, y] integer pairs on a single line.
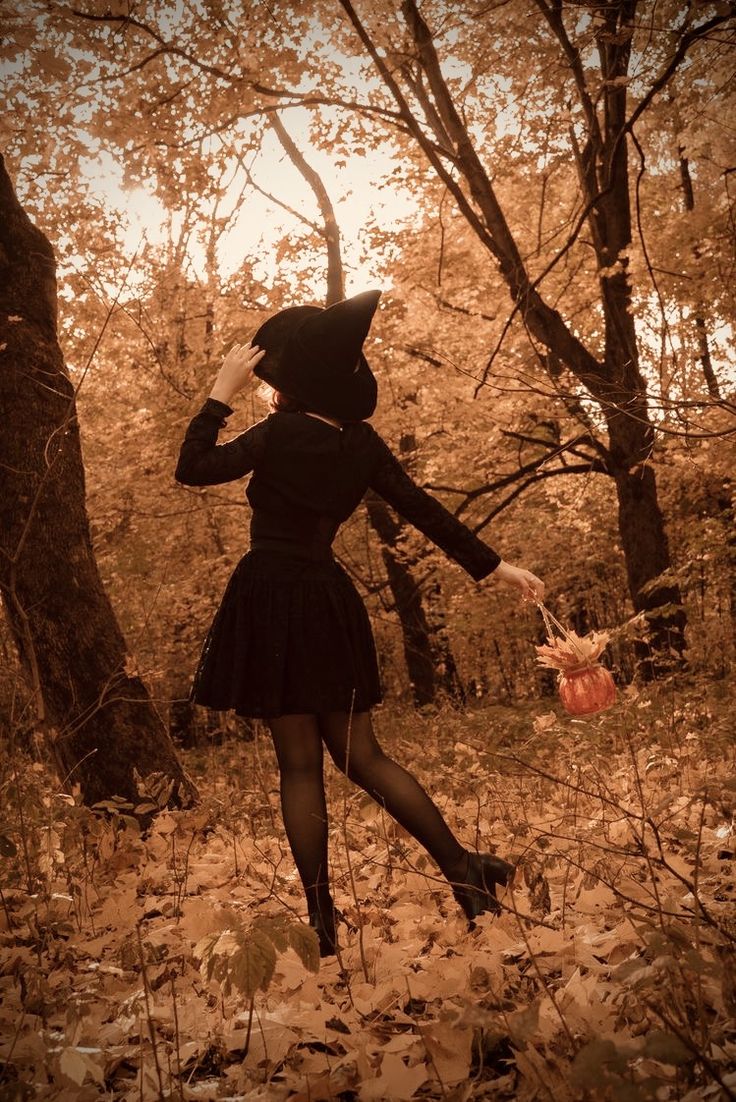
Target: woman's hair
[[282, 403], [279, 402]]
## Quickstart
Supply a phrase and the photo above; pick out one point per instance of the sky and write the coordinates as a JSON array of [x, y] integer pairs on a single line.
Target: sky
[[261, 224]]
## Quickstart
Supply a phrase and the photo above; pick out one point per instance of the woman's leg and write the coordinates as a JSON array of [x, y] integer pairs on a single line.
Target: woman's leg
[[355, 750], [298, 745]]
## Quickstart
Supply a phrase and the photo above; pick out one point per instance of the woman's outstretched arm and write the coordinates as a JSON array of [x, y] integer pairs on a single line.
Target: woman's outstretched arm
[[390, 480]]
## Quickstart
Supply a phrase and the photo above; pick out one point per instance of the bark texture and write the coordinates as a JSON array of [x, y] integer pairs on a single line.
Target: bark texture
[[98, 719]]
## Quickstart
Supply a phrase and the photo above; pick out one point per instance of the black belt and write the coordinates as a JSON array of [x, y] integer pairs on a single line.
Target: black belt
[[313, 552]]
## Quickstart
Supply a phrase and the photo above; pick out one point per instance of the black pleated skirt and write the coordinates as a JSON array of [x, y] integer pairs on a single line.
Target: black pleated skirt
[[291, 635]]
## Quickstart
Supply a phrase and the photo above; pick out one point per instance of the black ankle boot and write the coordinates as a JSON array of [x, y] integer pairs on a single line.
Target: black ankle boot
[[475, 890], [323, 923]]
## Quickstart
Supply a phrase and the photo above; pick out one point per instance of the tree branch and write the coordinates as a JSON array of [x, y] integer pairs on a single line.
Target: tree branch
[[166, 47], [331, 231], [300, 217], [445, 304], [430, 114], [580, 469], [553, 15], [298, 99], [533, 468], [685, 43]]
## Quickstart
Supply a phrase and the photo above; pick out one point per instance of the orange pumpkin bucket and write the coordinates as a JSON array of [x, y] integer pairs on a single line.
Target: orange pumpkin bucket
[[585, 686]]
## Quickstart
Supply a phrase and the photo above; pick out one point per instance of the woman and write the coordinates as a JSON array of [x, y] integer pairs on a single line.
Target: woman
[[291, 642]]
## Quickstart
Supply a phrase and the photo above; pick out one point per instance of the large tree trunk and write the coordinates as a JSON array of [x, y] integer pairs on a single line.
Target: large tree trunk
[[94, 711], [630, 431]]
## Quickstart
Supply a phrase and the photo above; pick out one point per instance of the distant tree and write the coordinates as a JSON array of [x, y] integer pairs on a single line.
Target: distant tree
[[429, 660]]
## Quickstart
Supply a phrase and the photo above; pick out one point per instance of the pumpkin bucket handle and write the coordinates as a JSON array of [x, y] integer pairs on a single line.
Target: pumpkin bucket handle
[[549, 620]]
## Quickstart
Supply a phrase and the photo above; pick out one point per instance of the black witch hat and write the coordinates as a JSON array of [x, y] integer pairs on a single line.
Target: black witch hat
[[315, 356]]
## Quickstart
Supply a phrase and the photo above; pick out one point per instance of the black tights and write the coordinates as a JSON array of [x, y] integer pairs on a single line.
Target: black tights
[[353, 747]]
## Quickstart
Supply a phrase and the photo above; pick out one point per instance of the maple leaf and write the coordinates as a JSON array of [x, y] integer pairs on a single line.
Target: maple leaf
[[573, 651]]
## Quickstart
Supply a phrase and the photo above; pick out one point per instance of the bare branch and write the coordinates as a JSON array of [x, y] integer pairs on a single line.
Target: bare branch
[[452, 307], [421, 355], [331, 230], [579, 469], [299, 215], [531, 468]]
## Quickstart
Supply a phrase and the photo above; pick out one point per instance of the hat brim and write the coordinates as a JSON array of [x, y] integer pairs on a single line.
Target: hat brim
[[354, 401]]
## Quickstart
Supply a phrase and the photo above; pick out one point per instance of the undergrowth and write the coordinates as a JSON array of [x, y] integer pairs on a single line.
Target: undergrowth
[[173, 961]]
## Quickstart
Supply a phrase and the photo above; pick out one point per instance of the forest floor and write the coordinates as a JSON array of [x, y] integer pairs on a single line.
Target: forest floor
[[173, 964]]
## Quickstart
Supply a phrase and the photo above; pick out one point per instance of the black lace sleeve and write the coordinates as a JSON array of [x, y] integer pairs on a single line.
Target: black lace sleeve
[[204, 462], [390, 480]]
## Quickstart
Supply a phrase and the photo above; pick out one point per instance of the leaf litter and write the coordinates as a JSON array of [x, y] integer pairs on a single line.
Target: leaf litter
[[175, 963]]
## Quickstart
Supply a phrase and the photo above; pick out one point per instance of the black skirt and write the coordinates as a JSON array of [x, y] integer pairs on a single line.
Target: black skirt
[[291, 635]]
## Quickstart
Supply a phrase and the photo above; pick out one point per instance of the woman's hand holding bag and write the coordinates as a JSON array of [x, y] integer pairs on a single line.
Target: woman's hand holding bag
[[529, 585]]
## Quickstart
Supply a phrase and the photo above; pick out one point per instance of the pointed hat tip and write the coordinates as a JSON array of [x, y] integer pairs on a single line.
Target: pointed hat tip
[[361, 301], [366, 302], [363, 306]]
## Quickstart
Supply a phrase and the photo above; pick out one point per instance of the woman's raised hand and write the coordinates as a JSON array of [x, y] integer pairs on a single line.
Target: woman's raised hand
[[236, 371], [529, 585]]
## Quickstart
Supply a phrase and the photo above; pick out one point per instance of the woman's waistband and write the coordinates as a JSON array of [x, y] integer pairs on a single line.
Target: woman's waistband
[[313, 552]]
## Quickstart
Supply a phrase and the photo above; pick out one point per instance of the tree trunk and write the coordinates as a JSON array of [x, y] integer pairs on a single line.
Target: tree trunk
[[429, 660], [646, 552], [407, 596], [95, 712], [447, 677], [701, 330], [727, 504], [616, 383]]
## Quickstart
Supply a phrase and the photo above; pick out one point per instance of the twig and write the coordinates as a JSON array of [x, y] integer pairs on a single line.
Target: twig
[[176, 1039], [691, 1046], [151, 1027], [540, 976]]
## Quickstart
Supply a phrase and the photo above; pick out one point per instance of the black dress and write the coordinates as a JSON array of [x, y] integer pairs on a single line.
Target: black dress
[[291, 633]]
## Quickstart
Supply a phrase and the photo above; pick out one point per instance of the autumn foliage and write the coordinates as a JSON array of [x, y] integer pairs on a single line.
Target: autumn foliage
[[545, 193], [172, 962]]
